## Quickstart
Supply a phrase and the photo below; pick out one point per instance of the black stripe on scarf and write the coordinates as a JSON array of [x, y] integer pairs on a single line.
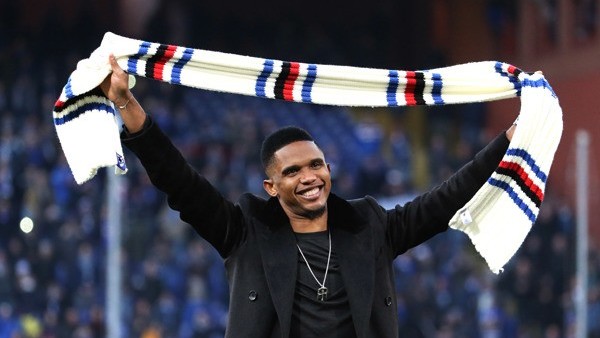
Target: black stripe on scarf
[[281, 78], [94, 92], [517, 178], [419, 88], [151, 63]]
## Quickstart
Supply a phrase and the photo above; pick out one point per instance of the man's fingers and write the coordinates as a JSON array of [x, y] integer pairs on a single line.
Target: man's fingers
[[114, 65]]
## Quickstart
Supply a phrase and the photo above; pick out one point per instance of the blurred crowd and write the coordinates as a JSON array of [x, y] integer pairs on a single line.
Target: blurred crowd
[[53, 278]]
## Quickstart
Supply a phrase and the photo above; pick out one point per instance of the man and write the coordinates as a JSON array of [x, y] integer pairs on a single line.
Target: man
[[304, 263]]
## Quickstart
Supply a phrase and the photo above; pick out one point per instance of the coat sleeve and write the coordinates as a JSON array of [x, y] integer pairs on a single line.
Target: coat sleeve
[[429, 213], [199, 204]]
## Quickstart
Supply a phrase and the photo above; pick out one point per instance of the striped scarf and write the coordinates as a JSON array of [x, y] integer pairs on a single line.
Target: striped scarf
[[497, 218]]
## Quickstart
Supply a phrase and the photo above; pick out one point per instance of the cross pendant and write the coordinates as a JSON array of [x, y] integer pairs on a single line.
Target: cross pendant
[[322, 293]]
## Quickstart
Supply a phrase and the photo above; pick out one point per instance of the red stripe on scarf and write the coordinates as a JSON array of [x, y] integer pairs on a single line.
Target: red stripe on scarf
[[515, 167], [409, 90], [511, 69], [160, 64], [288, 86]]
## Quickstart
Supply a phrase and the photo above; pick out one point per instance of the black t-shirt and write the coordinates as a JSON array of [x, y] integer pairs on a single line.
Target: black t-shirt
[[310, 316]]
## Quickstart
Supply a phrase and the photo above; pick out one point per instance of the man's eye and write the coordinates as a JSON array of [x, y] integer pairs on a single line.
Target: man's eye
[[317, 164]]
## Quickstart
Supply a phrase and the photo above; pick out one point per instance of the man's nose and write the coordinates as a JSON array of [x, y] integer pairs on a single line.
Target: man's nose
[[307, 176]]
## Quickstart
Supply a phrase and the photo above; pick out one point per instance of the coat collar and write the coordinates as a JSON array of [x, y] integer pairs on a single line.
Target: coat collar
[[353, 244]]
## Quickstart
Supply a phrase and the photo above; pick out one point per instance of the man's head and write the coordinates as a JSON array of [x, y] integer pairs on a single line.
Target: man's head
[[277, 140], [297, 173]]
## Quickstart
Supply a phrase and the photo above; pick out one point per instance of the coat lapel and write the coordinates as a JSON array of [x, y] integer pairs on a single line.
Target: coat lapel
[[353, 243], [279, 257]]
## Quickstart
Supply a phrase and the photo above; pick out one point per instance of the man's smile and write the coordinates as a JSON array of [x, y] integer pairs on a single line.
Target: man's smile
[[311, 193]]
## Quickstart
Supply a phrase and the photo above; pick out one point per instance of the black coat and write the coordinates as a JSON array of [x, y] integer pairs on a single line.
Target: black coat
[[256, 240]]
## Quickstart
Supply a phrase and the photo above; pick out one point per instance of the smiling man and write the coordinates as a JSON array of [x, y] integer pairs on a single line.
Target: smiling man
[[299, 177], [303, 263]]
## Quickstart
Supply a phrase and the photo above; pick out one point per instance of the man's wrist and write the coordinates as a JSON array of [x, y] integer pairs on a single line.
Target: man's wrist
[[123, 102]]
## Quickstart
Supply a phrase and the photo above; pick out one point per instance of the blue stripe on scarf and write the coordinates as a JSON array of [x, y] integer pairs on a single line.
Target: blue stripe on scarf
[[436, 91], [178, 66], [69, 90], [513, 195], [538, 83], [530, 161], [392, 88], [82, 109], [308, 83], [261, 81], [511, 78], [132, 61]]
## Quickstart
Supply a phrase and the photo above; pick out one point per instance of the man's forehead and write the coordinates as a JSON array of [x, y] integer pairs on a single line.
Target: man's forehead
[[297, 153], [297, 150]]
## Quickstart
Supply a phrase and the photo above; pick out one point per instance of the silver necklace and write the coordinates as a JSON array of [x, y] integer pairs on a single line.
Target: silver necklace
[[322, 291]]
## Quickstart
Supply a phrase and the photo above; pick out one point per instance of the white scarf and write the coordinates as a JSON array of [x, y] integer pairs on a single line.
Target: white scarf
[[497, 218]]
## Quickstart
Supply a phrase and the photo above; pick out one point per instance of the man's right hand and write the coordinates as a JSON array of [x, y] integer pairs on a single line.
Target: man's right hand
[[116, 88], [116, 85]]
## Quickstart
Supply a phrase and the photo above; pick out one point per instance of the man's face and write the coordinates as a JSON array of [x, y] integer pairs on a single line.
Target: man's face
[[300, 179]]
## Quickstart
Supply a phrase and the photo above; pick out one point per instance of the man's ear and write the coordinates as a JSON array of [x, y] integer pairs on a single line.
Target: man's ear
[[270, 187]]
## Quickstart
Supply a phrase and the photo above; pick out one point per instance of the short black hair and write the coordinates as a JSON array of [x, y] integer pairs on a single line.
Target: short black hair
[[279, 139]]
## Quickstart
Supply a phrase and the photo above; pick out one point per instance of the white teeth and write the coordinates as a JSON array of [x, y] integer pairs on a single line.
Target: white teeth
[[311, 192]]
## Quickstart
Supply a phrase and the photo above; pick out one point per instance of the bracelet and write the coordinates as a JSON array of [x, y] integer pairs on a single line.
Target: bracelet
[[125, 105]]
